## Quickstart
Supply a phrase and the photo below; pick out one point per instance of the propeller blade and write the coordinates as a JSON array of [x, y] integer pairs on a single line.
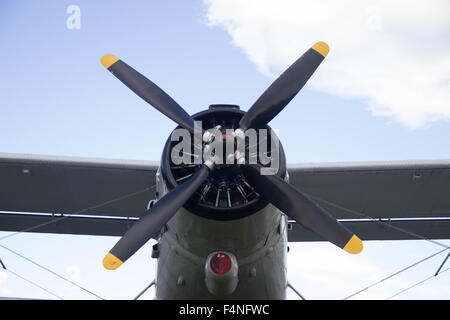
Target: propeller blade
[[284, 89], [301, 208], [152, 222], [148, 91]]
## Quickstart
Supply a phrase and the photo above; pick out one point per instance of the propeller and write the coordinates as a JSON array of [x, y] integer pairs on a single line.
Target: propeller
[[148, 91], [163, 210], [154, 219], [284, 88], [272, 188], [302, 209]]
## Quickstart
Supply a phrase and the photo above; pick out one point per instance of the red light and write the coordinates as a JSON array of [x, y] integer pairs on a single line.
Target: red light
[[220, 263], [224, 137]]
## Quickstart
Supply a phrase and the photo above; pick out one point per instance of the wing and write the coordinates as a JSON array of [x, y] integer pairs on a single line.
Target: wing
[[376, 200], [379, 200], [73, 195]]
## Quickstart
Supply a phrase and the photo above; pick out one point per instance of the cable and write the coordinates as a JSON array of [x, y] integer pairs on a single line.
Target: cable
[[415, 235], [293, 289], [143, 291], [394, 274], [442, 264], [416, 284], [33, 283], [56, 220], [360, 214], [78, 212], [52, 272]]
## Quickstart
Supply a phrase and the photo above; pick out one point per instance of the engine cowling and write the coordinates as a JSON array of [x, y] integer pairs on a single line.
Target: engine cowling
[[226, 194]]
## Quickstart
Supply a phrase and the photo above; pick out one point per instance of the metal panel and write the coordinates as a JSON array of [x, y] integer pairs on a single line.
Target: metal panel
[[122, 188], [43, 223], [385, 230], [397, 189], [75, 185], [110, 226]]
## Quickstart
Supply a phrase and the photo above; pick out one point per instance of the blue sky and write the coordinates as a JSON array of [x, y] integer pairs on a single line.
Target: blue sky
[[57, 99]]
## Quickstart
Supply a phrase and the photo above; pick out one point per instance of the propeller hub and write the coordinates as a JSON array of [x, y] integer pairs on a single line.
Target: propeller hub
[[226, 194]]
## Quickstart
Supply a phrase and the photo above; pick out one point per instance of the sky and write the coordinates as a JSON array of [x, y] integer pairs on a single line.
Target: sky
[[382, 93]]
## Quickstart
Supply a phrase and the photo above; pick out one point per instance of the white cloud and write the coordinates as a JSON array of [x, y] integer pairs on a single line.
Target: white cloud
[[393, 54]]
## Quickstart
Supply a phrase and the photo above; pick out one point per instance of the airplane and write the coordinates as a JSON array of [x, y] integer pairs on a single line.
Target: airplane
[[222, 226]]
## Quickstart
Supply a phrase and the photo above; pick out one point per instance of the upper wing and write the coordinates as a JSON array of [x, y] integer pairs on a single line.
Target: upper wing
[[376, 200], [73, 195], [379, 200]]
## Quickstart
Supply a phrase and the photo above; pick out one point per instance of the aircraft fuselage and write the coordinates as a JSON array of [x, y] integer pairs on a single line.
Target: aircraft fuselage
[[259, 243]]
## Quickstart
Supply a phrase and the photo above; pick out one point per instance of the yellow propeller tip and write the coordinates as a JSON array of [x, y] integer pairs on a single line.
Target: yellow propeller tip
[[322, 48], [111, 262], [354, 246], [108, 60]]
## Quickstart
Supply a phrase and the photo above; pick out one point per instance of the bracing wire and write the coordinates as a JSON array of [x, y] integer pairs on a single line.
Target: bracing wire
[[29, 229], [394, 274], [360, 214], [33, 283], [53, 221], [413, 234], [416, 284], [50, 271], [27, 280]]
